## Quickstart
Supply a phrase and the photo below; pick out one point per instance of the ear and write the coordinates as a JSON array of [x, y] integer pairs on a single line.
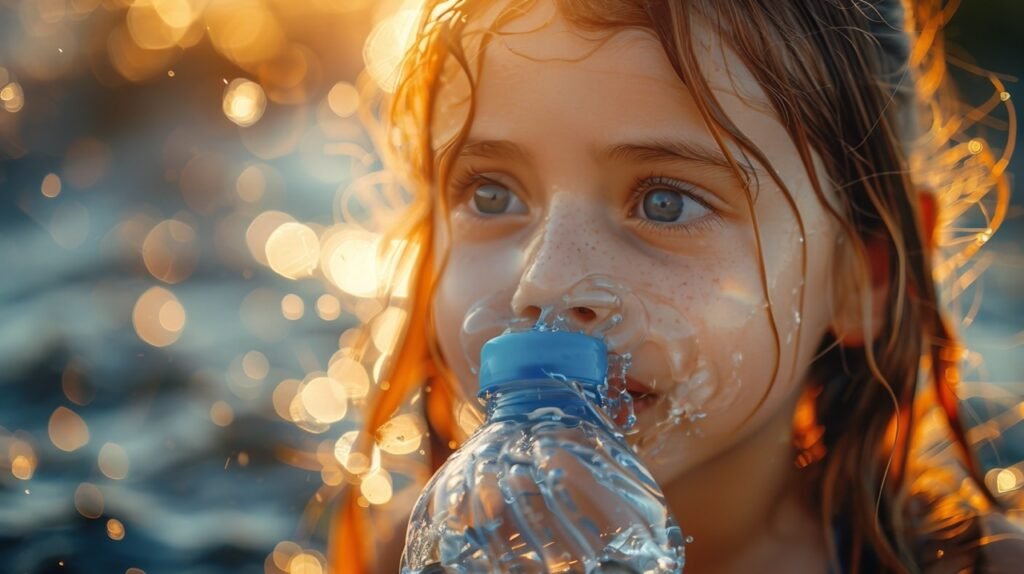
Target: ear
[[855, 318]]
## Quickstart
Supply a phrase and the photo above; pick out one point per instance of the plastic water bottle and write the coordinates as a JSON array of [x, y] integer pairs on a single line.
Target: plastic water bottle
[[546, 484]]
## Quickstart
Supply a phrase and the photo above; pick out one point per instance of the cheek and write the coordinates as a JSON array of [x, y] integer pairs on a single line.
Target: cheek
[[766, 329], [449, 309], [730, 361], [469, 301], [749, 355], [733, 352]]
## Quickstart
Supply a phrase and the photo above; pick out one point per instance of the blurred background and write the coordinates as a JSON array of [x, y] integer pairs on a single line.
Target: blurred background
[[178, 274]]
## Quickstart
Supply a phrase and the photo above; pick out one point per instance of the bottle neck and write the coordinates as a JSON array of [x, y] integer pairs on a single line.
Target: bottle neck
[[528, 398]]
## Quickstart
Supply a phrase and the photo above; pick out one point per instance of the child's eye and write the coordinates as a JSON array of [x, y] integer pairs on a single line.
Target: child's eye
[[663, 205], [489, 198], [496, 199], [667, 204]]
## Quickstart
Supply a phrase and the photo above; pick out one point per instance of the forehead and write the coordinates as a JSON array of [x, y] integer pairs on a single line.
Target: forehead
[[539, 65]]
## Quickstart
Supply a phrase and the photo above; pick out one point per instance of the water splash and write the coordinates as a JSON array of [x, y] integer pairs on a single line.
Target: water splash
[[628, 318]]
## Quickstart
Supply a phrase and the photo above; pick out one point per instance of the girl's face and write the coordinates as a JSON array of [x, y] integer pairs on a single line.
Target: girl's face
[[601, 166]]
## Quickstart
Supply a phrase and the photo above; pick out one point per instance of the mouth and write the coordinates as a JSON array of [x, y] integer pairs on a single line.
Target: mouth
[[643, 395]]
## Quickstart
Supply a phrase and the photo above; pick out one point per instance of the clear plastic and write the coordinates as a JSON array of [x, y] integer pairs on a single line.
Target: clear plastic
[[546, 484]]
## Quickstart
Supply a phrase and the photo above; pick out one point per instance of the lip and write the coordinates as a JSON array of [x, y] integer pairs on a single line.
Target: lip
[[643, 395]]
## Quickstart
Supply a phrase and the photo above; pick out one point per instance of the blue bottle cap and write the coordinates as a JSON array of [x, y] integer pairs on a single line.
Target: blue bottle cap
[[532, 355]]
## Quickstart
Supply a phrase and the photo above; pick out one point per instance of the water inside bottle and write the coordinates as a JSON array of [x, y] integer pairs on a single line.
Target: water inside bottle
[[547, 484]]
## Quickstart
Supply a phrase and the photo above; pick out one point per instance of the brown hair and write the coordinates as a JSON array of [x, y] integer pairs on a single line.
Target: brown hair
[[848, 80]]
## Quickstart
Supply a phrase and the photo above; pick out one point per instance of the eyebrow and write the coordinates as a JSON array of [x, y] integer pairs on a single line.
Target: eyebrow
[[649, 149]]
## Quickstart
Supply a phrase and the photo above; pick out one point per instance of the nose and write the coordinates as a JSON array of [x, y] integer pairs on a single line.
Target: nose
[[558, 260], [579, 314]]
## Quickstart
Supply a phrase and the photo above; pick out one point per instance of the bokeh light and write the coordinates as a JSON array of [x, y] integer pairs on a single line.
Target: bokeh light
[[221, 413], [113, 461], [245, 41], [324, 399], [244, 102], [89, 500], [251, 184], [350, 374], [328, 307], [115, 529], [67, 430], [292, 307], [293, 250], [386, 45], [12, 97], [260, 229], [401, 434], [133, 62], [387, 328], [158, 317], [284, 394], [1007, 480], [305, 563], [377, 487], [22, 467], [353, 460], [240, 380], [349, 261], [74, 386], [343, 99], [51, 185], [159, 24], [283, 553], [171, 251], [255, 365], [18, 455]]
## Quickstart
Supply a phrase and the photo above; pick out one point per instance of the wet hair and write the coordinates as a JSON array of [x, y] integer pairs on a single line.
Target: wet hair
[[862, 84]]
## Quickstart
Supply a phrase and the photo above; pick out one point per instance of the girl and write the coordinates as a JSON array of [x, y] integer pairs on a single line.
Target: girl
[[757, 172]]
